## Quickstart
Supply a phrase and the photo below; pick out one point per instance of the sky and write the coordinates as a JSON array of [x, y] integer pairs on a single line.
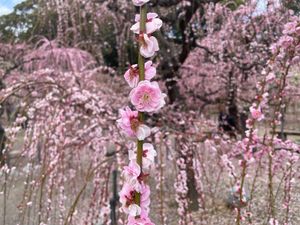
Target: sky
[[6, 6]]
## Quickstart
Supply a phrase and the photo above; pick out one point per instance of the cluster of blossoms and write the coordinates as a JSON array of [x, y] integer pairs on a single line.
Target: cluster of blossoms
[[145, 96], [286, 54], [287, 44]]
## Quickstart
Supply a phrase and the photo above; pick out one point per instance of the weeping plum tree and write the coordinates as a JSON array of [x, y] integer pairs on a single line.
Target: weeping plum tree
[[106, 34], [63, 104], [227, 62]]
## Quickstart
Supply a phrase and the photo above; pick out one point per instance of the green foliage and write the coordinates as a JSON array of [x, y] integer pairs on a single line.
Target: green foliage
[[109, 50], [26, 21], [233, 4], [292, 4]]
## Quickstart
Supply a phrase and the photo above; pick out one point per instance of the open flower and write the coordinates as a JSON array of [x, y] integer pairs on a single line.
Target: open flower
[[139, 221], [127, 195], [286, 41], [147, 97], [149, 154], [152, 24], [139, 2], [131, 126], [256, 113], [145, 199], [290, 28], [131, 174], [149, 45], [132, 74], [134, 210], [132, 171]]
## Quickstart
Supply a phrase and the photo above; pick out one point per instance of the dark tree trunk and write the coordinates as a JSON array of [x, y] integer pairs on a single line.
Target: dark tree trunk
[[2, 146]]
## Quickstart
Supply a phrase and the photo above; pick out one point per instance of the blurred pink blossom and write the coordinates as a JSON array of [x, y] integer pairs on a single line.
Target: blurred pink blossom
[[290, 28], [256, 113], [286, 41], [139, 2], [139, 221]]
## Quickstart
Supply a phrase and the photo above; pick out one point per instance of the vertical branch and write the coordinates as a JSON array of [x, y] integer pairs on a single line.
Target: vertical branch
[[141, 65]]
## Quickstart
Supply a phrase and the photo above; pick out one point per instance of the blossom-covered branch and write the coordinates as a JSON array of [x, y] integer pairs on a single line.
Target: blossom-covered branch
[[145, 96]]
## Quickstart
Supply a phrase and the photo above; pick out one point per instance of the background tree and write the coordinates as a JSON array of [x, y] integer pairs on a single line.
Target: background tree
[[227, 62]]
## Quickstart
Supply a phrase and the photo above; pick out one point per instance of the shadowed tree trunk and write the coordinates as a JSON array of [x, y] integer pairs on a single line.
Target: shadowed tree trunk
[[2, 146]]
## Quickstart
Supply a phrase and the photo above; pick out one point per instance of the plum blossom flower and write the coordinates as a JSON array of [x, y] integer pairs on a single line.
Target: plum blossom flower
[[270, 77], [139, 221], [127, 195], [132, 74], [286, 41], [152, 24], [131, 174], [272, 221], [147, 96], [290, 28], [149, 154], [145, 199], [149, 45], [256, 113], [132, 171], [131, 126], [139, 2], [134, 210]]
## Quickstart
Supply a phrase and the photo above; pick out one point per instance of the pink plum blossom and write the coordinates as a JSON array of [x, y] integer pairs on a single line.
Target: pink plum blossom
[[127, 196], [149, 45], [127, 200], [139, 221], [270, 77], [256, 113], [145, 198], [132, 74], [134, 210], [131, 126], [147, 97], [272, 221], [290, 28], [132, 171], [131, 174], [286, 41], [152, 24], [139, 2], [149, 154]]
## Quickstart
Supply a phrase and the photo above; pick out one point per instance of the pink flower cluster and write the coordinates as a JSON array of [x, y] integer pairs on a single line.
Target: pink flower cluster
[[289, 42], [145, 96]]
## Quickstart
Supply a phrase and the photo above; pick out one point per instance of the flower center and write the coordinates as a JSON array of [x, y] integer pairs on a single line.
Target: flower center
[[134, 123], [146, 97], [134, 71], [149, 20], [130, 198], [145, 153]]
